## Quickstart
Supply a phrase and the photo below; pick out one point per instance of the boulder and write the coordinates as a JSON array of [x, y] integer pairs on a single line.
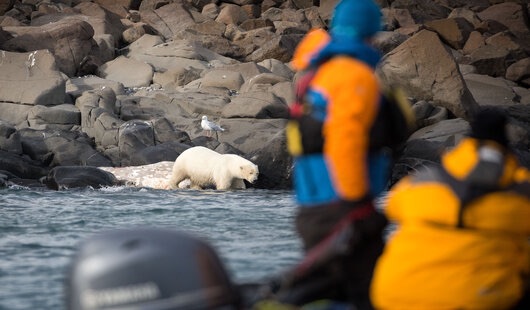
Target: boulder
[[61, 147], [130, 72], [509, 14], [519, 71], [453, 31], [10, 139], [488, 90], [64, 116], [274, 162], [75, 87], [68, 177], [256, 105], [69, 40], [280, 48], [31, 79], [168, 19], [21, 166], [134, 136], [423, 79], [168, 151]]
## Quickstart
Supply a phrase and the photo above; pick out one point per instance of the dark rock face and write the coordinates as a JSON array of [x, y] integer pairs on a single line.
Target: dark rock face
[[122, 83], [21, 166], [66, 177]]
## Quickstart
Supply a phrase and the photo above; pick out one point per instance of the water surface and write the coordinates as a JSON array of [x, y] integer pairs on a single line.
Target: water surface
[[252, 231]]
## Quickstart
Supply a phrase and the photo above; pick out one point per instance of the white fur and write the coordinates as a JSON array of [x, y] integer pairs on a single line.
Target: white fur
[[206, 168]]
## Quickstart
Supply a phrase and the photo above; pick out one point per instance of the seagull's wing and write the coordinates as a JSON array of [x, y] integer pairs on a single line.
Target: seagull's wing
[[215, 127]]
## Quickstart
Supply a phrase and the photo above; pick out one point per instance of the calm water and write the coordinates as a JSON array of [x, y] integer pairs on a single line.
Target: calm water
[[39, 231]]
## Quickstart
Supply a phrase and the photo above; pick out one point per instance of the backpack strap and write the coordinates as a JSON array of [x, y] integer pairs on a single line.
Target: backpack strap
[[296, 110], [466, 190]]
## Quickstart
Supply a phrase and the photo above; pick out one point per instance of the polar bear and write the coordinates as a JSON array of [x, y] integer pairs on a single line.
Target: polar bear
[[206, 168]]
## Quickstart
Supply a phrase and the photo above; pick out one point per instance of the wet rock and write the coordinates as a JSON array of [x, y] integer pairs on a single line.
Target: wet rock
[[68, 177]]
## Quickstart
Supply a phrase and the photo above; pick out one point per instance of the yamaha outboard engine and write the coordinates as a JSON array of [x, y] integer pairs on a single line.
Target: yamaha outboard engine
[[148, 269]]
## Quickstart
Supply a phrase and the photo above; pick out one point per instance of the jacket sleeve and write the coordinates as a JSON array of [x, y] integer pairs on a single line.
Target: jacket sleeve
[[352, 91]]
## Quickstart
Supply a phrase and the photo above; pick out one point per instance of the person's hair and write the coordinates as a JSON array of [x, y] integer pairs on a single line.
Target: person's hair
[[490, 124]]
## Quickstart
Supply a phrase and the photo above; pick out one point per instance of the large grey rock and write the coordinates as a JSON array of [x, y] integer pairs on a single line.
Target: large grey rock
[[64, 116], [168, 151], [251, 40], [232, 14], [280, 48], [60, 147], [245, 134], [68, 177], [488, 90], [256, 105], [75, 87], [120, 7], [129, 72], [174, 105], [21, 166], [216, 43], [410, 65], [489, 60], [168, 19], [231, 80], [176, 76], [176, 54], [74, 152], [14, 113], [274, 162], [134, 136], [166, 132], [31, 78], [9, 139], [519, 70], [453, 31], [277, 67], [426, 145], [450, 131], [69, 40], [262, 81], [386, 41], [135, 32], [423, 11], [97, 120], [509, 14], [102, 20]]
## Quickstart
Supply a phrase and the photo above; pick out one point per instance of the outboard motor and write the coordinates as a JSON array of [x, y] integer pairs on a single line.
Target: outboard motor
[[148, 269]]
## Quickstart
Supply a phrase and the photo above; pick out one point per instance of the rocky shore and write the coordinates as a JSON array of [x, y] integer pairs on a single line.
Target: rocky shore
[[121, 83]]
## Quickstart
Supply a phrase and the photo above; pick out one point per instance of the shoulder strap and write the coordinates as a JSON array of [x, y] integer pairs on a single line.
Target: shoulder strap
[[297, 108], [465, 190]]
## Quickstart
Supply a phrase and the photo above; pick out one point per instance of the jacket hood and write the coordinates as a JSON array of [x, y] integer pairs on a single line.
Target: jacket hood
[[470, 155]]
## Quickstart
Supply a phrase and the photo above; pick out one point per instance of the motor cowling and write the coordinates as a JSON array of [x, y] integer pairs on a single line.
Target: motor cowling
[[151, 269]]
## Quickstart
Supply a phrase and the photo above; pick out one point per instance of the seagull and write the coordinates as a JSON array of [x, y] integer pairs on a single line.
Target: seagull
[[210, 126]]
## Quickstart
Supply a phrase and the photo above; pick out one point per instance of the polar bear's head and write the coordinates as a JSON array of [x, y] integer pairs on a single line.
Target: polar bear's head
[[249, 172]]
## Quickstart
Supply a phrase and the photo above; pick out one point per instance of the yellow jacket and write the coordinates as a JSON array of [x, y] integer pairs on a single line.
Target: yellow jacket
[[430, 263]]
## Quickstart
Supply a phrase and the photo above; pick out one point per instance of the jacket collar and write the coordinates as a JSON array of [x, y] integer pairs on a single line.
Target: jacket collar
[[349, 47]]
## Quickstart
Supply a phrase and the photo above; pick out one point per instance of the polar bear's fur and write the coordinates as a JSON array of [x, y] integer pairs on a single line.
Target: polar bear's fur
[[206, 168]]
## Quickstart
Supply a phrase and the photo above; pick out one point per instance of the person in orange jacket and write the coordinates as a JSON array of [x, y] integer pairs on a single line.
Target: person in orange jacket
[[331, 172], [463, 228]]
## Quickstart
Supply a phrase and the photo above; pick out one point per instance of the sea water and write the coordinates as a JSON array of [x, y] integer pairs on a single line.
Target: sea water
[[252, 231]]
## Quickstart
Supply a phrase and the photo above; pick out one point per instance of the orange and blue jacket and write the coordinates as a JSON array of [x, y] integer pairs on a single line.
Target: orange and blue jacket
[[455, 246], [344, 95]]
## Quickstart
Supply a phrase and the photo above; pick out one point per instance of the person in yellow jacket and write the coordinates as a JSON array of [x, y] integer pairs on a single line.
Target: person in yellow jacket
[[462, 237]]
